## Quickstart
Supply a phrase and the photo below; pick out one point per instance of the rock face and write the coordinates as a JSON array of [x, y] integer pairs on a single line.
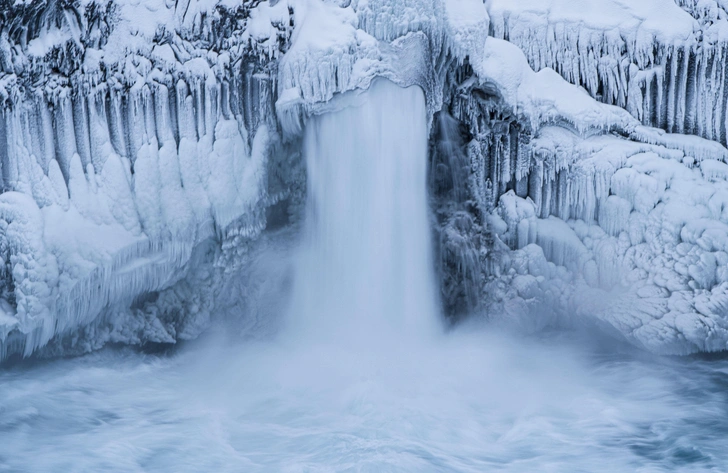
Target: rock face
[[145, 147]]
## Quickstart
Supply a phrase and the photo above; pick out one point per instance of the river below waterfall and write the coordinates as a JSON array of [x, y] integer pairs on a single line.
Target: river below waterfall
[[470, 401]]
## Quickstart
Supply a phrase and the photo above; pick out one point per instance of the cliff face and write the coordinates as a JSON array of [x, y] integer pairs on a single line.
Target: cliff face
[[146, 146], [545, 223]]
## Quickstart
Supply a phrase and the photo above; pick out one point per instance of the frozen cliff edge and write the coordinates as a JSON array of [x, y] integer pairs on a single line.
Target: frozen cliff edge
[[662, 60], [140, 149], [142, 146]]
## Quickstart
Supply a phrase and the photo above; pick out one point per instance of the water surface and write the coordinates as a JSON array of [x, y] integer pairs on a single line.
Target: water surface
[[470, 401]]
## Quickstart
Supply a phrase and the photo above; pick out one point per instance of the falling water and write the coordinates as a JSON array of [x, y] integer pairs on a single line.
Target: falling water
[[450, 163], [366, 270]]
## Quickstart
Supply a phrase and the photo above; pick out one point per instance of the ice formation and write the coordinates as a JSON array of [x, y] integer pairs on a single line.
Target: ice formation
[[663, 63], [573, 207], [577, 158]]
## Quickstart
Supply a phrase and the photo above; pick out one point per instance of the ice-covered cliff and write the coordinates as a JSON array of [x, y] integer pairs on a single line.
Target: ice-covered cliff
[[144, 145], [131, 133], [555, 208]]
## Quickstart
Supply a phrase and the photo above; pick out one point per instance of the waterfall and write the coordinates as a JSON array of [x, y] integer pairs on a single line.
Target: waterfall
[[366, 269]]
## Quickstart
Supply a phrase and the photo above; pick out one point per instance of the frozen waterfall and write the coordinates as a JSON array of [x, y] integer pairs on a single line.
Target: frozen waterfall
[[366, 268]]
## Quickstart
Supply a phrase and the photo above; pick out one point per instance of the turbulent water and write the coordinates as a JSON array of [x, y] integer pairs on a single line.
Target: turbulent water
[[469, 402], [359, 377]]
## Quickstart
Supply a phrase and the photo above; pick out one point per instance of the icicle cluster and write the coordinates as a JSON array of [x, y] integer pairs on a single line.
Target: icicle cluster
[[338, 49], [651, 58]]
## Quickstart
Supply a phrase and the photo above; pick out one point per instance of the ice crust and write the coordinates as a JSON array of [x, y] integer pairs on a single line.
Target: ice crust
[[138, 137]]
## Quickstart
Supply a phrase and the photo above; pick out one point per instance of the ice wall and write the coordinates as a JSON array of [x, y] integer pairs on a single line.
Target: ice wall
[[142, 144]]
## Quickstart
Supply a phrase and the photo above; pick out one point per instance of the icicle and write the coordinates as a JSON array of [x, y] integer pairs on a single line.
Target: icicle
[[81, 126], [65, 135], [100, 146], [682, 97], [113, 101]]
